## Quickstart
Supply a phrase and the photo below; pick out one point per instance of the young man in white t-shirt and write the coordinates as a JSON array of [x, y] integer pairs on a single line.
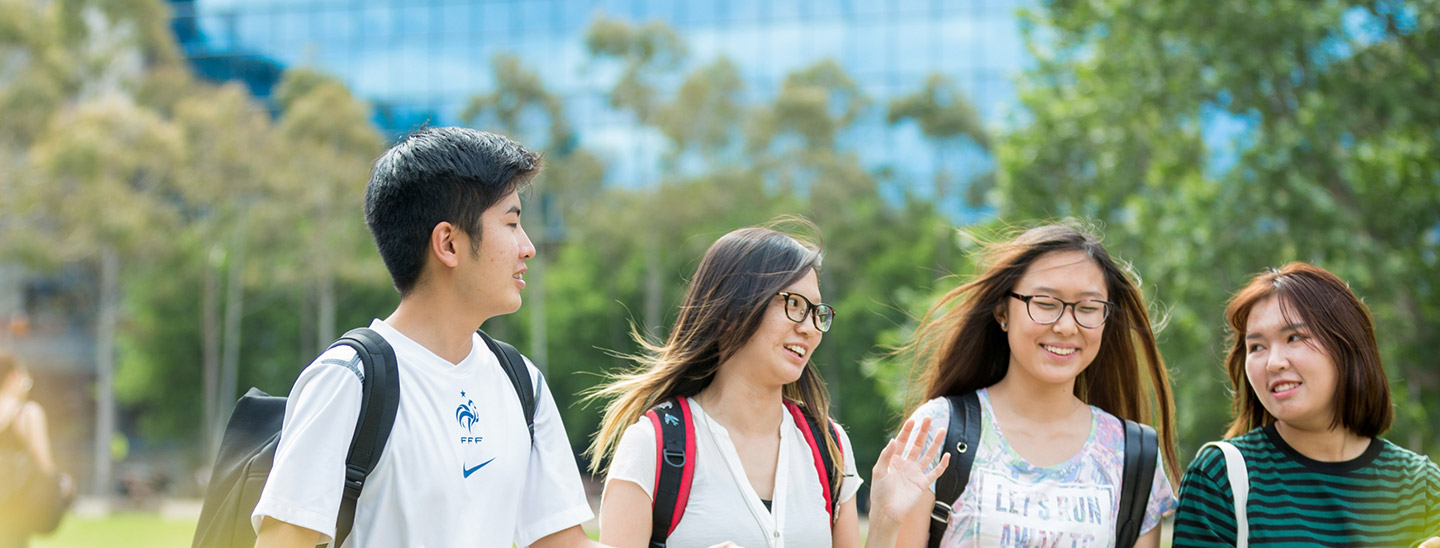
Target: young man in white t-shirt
[[459, 468]]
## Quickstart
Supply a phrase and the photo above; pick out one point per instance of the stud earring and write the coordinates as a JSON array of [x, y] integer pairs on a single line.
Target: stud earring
[[1002, 325]]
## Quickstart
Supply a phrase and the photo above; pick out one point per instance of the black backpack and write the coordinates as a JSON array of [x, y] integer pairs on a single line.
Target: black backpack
[[247, 451], [675, 465], [963, 433]]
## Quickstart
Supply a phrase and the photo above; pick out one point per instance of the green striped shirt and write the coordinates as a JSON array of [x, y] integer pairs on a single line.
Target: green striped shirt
[[1388, 496]]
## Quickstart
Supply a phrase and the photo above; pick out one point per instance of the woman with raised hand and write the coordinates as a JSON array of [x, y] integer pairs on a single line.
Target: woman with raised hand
[[737, 443], [1044, 352], [1311, 400]]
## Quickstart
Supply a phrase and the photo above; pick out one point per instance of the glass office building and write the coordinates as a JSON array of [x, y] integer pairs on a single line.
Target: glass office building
[[420, 61]]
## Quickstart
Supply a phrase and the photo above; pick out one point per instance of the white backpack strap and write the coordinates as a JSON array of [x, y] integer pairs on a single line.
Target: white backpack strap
[[1239, 485]]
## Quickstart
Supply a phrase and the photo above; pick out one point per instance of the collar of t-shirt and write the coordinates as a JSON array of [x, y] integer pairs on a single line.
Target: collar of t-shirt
[[770, 517], [416, 355]]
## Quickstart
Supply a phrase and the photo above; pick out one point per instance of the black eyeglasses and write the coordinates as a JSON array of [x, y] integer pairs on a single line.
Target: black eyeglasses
[[1045, 310], [797, 307]]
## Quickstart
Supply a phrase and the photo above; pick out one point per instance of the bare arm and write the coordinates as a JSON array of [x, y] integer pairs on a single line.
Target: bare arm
[[565, 538], [846, 533], [915, 530], [625, 515], [1151, 539], [278, 534], [30, 427]]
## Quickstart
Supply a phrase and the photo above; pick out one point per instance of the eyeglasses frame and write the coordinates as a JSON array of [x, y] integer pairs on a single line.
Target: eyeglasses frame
[[1063, 304], [812, 310]]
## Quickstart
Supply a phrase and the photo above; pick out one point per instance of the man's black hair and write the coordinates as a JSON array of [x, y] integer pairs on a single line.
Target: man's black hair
[[434, 175]]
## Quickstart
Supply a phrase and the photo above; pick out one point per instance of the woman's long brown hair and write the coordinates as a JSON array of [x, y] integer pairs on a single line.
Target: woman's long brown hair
[[724, 305], [961, 347]]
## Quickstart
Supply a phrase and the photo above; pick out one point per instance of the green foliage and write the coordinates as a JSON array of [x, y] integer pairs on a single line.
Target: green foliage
[[1335, 164], [941, 111], [1333, 159]]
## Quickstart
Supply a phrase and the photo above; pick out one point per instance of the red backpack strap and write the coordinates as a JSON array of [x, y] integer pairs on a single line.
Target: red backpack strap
[[674, 466], [824, 461]]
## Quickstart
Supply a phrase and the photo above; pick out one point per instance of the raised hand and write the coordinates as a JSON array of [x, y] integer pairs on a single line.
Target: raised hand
[[899, 483]]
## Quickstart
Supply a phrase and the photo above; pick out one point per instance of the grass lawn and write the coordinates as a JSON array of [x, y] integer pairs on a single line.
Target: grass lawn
[[119, 530]]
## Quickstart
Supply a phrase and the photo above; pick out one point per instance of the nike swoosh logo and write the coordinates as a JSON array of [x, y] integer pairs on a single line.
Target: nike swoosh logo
[[469, 471]]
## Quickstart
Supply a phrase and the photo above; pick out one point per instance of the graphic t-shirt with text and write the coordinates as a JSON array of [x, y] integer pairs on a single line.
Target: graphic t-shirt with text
[[1012, 503]]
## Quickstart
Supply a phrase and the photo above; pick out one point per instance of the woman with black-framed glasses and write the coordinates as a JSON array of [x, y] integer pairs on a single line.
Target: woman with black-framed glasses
[[723, 432], [1045, 354]]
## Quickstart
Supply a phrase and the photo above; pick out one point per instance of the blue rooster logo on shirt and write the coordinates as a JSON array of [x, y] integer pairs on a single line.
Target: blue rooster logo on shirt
[[465, 414]]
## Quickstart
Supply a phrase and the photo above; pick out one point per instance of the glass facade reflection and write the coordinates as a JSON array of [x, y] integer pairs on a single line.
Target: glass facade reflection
[[421, 61]]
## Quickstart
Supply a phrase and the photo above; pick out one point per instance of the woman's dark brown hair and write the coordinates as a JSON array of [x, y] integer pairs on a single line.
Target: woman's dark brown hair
[[961, 347], [724, 305], [1338, 322]]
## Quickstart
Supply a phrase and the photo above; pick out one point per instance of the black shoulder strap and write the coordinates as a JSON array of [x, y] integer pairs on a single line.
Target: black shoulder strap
[[674, 467], [962, 440], [1141, 448], [380, 399], [514, 367]]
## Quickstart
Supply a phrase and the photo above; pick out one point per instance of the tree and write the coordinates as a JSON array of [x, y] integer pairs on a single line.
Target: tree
[[223, 177], [519, 106], [1219, 139], [327, 147], [647, 53], [946, 117], [105, 172]]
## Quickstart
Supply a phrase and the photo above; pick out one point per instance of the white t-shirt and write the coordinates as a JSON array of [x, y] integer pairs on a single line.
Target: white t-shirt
[[1010, 502], [723, 506], [458, 470]]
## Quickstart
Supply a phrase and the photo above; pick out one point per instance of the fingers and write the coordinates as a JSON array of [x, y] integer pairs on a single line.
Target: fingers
[[882, 464], [904, 435], [917, 441], [934, 447], [934, 473]]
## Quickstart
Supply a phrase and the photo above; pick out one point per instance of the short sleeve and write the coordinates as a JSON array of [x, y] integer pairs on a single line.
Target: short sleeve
[[938, 411], [634, 459], [1205, 515], [554, 498], [1162, 497], [852, 480], [307, 479]]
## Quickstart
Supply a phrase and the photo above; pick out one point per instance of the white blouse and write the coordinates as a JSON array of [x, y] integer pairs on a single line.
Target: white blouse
[[723, 506]]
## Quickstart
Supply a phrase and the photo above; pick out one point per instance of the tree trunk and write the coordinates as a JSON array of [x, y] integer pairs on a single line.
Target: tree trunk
[[234, 312], [325, 312], [105, 369], [210, 322], [307, 312], [654, 287]]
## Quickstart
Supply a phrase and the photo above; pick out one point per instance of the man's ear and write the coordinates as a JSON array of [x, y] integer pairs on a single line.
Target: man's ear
[[445, 244]]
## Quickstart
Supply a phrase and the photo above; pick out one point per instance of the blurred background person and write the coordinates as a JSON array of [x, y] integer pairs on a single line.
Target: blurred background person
[[33, 495]]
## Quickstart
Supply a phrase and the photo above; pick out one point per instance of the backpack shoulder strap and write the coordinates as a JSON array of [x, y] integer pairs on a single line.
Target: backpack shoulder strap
[[514, 366], [1141, 450], [674, 466], [962, 440], [1239, 487], [380, 399], [824, 461]]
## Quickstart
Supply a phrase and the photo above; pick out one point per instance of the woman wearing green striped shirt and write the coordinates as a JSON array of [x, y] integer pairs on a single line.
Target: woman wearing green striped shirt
[[1311, 400]]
